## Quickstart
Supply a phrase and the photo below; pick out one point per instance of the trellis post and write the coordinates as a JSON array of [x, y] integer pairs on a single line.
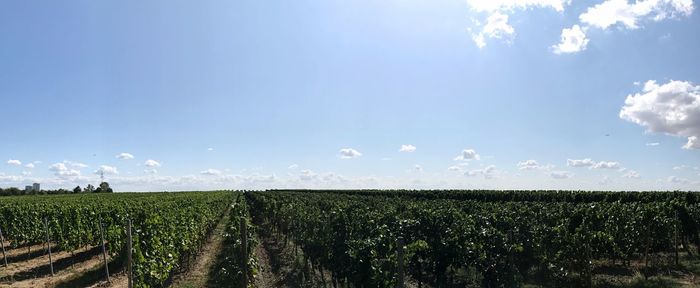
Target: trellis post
[[244, 252], [2, 243], [48, 243], [104, 251], [130, 265], [399, 262]]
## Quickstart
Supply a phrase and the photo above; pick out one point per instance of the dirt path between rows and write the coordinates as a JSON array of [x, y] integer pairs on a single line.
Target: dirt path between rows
[[266, 277], [198, 274], [39, 266], [64, 272]]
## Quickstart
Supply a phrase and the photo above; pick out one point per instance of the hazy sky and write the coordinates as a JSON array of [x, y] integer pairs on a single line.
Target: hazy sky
[[173, 95]]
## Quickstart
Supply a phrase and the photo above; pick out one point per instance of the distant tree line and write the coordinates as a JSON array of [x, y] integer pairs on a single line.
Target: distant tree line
[[14, 191]]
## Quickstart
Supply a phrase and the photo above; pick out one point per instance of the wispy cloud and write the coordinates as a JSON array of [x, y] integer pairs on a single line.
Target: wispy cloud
[[407, 148], [210, 172], [467, 154], [124, 156], [150, 163], [349, 153]]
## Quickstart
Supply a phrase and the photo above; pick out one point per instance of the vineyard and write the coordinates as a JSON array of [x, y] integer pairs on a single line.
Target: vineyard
[[362, 238], [166, 229]]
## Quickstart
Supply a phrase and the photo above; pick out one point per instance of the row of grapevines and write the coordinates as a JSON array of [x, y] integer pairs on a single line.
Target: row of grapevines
[[525, 195], [228, 270], [165, 226], [503, 243]]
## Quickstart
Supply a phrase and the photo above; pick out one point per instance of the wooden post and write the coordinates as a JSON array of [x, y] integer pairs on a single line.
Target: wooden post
[[48, 243], [244, 252], [2, 243], [104, 251], [399, 262], [129, 265]]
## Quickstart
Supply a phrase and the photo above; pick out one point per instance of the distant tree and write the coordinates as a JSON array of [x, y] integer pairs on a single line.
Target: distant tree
[[89, 188], [77, 189], [104, 187], [13, 191]]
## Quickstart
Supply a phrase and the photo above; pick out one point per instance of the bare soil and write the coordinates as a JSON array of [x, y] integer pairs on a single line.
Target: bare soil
[[39, 265], [266, 276], [24, 253], [119, 280], [36, 273]]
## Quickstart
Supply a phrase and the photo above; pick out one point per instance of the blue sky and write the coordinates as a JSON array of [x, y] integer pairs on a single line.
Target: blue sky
[[323, 94]]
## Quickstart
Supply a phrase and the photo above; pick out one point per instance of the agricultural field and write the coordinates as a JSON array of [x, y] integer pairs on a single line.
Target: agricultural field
[[352, 238]]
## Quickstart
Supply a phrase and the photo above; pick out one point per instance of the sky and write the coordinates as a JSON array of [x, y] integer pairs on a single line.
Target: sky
[[470, 94]]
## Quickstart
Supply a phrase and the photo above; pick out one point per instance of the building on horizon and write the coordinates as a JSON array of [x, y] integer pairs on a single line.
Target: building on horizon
[[36, 187], [28, 188]]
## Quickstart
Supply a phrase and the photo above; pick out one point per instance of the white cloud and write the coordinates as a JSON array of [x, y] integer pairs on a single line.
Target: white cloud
[[672, 108], [572, 40], [461, 167], [509, 5], [417, 168], [349, 153], [467, 154], [210, 149], [631, 174], [587, 162], [606, 165], [487, 172], [14, 162], [150, 171], [150, 163], [692, 143], [407, 148], [498, 11], [653, 144], [125, 156], [560, 174], [75, 164], [613, 12], [61, 170], [455, 168], [58, 167], [210, 172], [533, 165], [580, 162], [528, 165], [496, 27], [68, 173], [293, 166], [306, 175], [29, 165], [678, 180], [107, 170]]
